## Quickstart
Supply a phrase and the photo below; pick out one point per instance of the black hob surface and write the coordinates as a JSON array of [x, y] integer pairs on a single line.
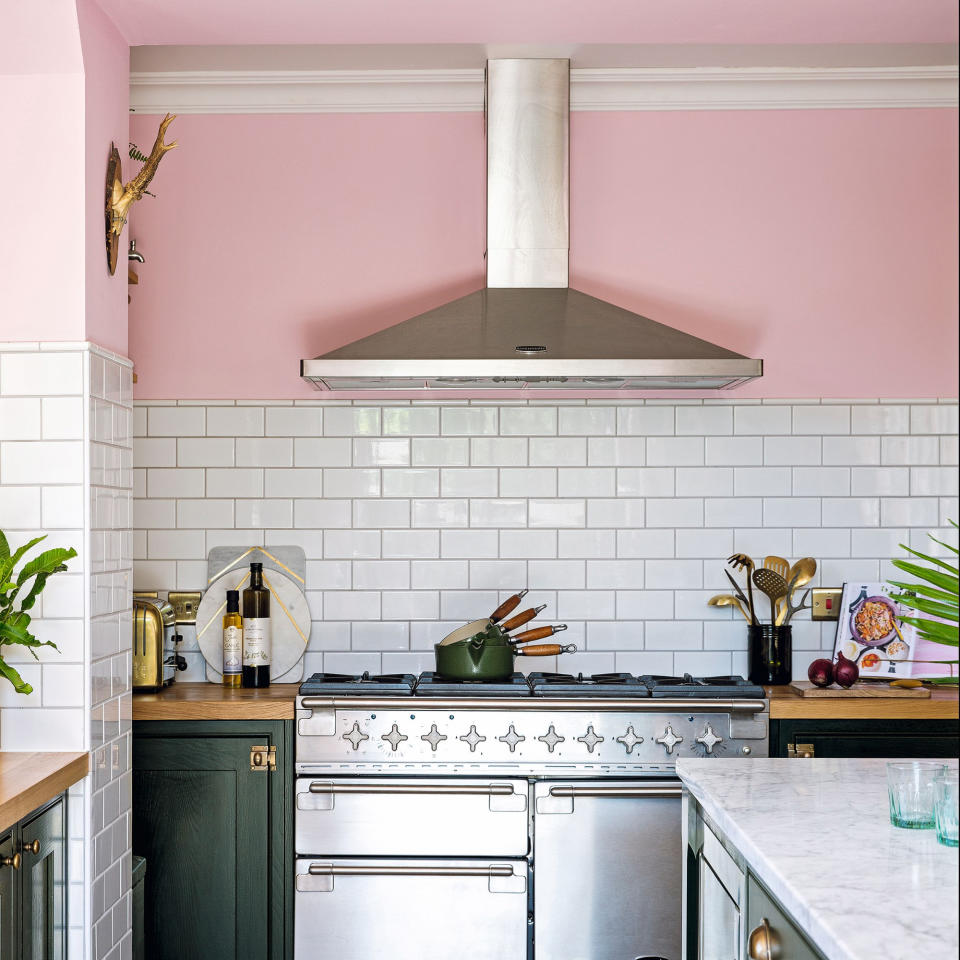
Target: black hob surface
[[688, 686], [592, 685], [434, 685], [359, 685]]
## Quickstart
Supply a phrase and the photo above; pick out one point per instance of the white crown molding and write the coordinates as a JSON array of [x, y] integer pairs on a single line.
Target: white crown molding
[[441, 91]]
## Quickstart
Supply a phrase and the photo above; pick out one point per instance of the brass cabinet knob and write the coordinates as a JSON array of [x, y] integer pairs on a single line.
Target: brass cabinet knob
[[13, 861], [33, 847], [764, 944]]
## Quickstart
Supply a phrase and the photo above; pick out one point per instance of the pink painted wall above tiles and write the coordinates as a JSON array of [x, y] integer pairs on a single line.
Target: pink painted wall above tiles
[[824, 242], [106, 62], [41, 172], [535, 21]]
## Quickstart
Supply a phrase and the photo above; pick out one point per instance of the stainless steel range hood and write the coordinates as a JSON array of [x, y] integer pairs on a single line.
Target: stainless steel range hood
[[528, 329]]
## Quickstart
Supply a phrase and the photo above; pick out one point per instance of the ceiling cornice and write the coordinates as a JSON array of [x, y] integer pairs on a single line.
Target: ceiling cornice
[[433, 91]]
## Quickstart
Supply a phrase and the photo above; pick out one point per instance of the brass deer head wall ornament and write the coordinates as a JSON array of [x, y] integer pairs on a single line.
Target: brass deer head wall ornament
[[120, 196]]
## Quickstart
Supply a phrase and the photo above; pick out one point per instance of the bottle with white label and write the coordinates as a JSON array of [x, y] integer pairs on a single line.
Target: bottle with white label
[[256, 630], [232, 640]]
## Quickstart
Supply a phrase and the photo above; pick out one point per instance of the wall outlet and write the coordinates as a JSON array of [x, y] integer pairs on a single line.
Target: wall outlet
[[825, 603], [185, 604]]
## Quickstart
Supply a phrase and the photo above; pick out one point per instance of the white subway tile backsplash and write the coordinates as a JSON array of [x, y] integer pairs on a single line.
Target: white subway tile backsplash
[[41, 374], [264, 451], [619, 515], [498, 451], [41, 462], [821, 420], [440, 452], [468, 421], [20, 507], [20, 418], [645, 421], [63, 418], [175, 421]]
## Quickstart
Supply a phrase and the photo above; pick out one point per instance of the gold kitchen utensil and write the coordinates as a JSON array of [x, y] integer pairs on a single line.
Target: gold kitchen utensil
[[778, 565], [728, 600], [804, 570], [740, 561], [772, 584]]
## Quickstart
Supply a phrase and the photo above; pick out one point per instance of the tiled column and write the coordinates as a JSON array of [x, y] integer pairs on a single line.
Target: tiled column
[[66, 470]]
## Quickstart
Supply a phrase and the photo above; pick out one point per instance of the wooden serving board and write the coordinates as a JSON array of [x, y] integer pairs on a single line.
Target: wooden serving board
[[806, 689]]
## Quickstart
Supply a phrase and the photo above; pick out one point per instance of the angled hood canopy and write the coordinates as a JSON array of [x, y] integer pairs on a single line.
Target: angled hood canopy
[[527, 328]]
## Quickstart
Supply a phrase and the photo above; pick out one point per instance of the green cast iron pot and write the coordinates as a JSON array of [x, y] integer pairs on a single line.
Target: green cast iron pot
[[484, 656]]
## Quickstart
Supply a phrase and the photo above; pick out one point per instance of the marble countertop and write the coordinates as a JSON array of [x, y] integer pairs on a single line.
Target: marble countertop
[[817, 833]]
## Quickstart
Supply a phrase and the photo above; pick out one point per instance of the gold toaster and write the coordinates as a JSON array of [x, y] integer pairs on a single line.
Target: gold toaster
[[155, 657]]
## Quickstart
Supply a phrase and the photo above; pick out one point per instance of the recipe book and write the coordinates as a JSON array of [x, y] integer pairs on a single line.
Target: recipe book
[[867, 634]]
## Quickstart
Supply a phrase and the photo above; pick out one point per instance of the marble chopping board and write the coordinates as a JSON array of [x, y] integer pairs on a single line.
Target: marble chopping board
[[284, 570]]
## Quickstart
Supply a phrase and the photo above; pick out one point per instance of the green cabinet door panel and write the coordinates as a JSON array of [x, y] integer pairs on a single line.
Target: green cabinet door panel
[[43, 875], [8, 912], [868, 738], [216, 838]]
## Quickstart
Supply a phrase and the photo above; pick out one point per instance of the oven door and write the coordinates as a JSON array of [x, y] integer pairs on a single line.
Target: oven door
[[410, 910], [608, 860], [406, 816]]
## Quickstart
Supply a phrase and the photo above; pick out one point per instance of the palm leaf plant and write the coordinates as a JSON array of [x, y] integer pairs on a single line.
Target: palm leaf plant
[[935, 593], [18, 594]]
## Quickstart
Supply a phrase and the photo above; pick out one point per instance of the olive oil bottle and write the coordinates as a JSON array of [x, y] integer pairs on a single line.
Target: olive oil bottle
[[256, 630], [232, 640]]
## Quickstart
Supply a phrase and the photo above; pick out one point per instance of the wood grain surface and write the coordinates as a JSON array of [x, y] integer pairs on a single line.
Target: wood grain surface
[[212, 701], [29, 780], [786, 704], [806, 689]]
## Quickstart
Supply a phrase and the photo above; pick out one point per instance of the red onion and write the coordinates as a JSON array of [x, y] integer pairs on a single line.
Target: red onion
[[846, 672], [820, 673]]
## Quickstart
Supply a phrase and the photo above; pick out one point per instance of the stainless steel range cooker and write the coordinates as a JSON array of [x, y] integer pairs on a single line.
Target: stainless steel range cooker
[[532, 819]]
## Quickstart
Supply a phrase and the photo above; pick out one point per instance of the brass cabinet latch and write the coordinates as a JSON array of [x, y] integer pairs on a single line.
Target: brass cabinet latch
[[800, 750], [263, 758]]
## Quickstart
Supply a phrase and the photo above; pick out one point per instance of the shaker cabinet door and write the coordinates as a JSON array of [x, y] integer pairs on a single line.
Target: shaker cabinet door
[[43, 876], [212, 832], [8, 913]]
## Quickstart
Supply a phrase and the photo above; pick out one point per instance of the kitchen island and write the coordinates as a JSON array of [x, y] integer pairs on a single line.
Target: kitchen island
[[816, 835]]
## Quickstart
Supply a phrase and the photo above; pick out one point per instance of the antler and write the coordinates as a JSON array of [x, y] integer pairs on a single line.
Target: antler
[[134, 190]]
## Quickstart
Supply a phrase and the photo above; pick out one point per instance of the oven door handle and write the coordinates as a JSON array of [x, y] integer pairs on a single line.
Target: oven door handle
[[626, 792], [422, 789], [359, 870]]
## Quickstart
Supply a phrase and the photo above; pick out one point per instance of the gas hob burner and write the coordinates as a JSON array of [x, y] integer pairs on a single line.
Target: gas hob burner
[[434, 685], [710, 687], [359, 685], [595, 685]]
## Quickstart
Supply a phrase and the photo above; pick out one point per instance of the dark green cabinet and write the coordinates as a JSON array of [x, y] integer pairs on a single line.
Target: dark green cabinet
[[865, 738], [33, 886], [215, 829]]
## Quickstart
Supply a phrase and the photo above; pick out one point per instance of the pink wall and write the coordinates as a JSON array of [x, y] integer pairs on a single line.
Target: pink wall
[[536, 21], [813, 239], [106, 61], [41, 172]]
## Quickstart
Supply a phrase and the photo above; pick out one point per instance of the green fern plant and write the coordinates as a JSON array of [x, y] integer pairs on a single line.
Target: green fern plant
[[32, 578], [936, 594]]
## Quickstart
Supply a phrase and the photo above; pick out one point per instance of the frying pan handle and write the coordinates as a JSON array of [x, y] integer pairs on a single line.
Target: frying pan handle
[[547, 650], [521, 618], [508, 606], [538, 633]]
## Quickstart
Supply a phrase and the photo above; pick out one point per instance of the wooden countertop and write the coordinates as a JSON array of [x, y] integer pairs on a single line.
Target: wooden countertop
[[212, 701], [787, 705], [29, 780]]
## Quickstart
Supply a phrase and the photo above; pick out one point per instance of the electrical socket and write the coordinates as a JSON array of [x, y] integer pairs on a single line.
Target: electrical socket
[[825, 603], [185, 604]]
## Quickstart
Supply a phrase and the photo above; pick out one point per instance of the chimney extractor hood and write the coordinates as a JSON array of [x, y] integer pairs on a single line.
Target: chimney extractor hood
[[527, 328]]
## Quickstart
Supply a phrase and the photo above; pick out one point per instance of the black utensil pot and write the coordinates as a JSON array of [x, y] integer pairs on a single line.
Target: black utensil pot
[[770, 653]]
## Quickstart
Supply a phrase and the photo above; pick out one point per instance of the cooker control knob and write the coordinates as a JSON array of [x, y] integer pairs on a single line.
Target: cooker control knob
[[709, 739], [551, 738], [394, 737], [590, 739], [434, 737], [355, 735], [472, 738], [669, 739], [630, 739], [511, 738]]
